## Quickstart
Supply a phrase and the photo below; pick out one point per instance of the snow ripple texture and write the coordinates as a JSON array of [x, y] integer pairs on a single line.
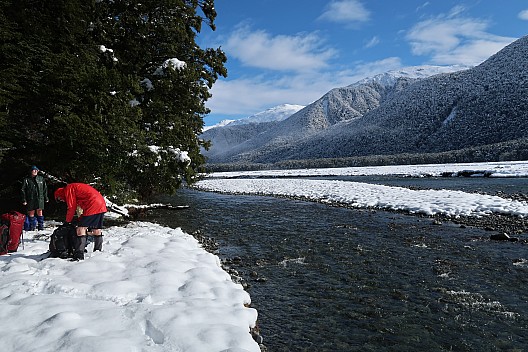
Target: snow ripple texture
[[152, 289]]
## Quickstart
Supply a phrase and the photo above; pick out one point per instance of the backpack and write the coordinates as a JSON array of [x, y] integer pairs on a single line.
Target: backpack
[[61, 241], [14, 223]]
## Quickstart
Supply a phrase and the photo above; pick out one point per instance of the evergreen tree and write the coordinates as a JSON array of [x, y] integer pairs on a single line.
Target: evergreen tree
[[8, 88], [106, 90], [155, 41]]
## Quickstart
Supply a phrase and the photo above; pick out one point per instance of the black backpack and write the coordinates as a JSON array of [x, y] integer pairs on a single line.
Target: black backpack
[[61, 241]]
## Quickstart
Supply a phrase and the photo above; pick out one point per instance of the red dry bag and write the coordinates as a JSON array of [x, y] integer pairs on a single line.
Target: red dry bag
[[15, 222]]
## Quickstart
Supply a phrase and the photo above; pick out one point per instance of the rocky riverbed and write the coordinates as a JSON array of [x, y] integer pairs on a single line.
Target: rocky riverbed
[[495, 223], [511, 225], [329, 278]]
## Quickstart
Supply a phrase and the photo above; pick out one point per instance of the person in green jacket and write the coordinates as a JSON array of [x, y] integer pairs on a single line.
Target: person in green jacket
[[34, 194]]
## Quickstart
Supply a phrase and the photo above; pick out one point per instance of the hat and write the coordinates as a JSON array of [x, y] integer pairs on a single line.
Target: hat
[[59, 193], [34, 168]]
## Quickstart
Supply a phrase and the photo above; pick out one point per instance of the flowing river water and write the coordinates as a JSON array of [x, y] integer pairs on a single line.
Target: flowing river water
[[334, 279]]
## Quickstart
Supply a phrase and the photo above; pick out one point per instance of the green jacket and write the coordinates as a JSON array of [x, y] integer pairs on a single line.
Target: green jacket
[[35, 192]]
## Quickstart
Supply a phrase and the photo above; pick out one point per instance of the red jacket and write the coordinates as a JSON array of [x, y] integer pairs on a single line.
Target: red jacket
[[84, 196]]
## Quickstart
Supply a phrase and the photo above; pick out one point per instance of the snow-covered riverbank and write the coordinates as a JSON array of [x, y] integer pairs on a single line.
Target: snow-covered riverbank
[[156, 289], [491, 169], [362, 195], [152, 289]]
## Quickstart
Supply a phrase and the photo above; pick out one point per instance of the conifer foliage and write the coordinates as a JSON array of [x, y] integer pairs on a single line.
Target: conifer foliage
[[104, 90]]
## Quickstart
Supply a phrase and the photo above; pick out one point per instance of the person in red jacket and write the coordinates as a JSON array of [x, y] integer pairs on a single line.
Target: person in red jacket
[[93, 207]]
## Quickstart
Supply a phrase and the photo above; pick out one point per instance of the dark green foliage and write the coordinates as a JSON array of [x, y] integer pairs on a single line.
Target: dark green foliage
[[87, 91], [504, 151]]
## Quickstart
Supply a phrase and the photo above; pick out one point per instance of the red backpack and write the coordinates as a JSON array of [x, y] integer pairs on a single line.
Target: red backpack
[[11, 231]]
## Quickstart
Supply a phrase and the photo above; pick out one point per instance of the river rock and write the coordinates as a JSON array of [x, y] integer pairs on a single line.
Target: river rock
[[503, 237]]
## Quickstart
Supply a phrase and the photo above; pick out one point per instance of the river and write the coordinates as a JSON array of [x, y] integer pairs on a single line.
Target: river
[[334, 279]]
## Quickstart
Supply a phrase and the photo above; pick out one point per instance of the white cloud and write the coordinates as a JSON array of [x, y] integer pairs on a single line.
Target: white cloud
[[373, 42], [423, 6], [471, 53], [373, 68], [441, 35], [346, 11], [457, 10], [302, 52], [246, 96], [523, 15], [455, 40]]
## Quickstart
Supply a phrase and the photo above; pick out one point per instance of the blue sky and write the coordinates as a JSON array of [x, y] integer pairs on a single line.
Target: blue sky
[[294, 51]]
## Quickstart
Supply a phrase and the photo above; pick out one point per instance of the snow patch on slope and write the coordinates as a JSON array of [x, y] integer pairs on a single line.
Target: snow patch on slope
[[277, 113], [414, 72]]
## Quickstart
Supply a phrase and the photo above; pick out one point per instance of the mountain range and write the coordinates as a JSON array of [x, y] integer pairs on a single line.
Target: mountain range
[[277, 113], [424, 109]]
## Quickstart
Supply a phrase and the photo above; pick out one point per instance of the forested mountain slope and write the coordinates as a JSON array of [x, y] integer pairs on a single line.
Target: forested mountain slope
[[338, 105], [484, 105], [480, 106], [229, 134]]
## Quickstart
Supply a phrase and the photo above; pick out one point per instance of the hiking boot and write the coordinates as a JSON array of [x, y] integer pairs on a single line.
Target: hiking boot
[[40, 222], [77, 255]]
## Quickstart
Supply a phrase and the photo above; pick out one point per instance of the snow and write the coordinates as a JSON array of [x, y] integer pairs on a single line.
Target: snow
[[147, 83], [493, 169], [181, 156], [220, 124], [104, 49], [362, 195], [156, 289], [451, 117], [414, 72], [151, 289], [173, 63], [277, 113]]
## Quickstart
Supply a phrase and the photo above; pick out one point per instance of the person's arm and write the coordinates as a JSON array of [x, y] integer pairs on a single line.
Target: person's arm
[[71, 203]]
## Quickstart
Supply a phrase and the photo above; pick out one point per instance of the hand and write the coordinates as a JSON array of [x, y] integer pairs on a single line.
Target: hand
[[24, 203]]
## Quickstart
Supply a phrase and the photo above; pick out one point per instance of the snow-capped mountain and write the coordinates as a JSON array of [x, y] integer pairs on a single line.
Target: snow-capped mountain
[[220, 124], [277, 113], [406, 111], [230, 133], [474, 108], [294, 123], [414, 72]]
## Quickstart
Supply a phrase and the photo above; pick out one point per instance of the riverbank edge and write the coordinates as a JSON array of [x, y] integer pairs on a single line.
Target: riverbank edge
[[210, 245], [494, 222]]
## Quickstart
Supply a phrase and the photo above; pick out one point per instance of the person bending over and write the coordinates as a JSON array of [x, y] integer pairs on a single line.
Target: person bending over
[[93, 207]]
